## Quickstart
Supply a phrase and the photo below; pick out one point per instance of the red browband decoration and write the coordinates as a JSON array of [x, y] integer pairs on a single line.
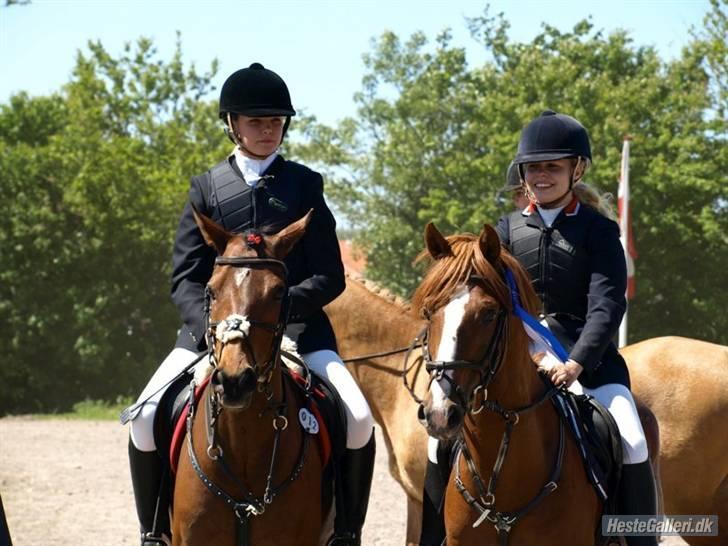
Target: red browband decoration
[[254, 239]]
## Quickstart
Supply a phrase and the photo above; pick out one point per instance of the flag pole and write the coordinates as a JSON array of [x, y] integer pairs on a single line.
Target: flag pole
[[624, 230]]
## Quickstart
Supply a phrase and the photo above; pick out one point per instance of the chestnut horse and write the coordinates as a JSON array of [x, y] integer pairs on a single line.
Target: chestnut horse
[[518, 478], [684, 381], [248, 472]]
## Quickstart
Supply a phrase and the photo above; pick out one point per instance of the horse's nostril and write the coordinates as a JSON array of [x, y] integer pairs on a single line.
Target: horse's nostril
[[454, 416], [421, 413]]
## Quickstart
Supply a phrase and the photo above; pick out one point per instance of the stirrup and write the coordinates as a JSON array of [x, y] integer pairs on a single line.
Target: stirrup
[[344, 539], [149, 539]]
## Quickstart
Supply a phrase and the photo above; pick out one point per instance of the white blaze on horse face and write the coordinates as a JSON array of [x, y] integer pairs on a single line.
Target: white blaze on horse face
[[240, 275], [454, 312]]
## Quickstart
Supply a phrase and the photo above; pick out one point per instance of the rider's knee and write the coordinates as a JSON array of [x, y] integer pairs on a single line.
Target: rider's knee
[[142, 429], [634, 450], [359, 430]]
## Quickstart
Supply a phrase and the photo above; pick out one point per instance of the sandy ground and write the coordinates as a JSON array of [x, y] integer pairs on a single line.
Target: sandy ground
[[67, 483]]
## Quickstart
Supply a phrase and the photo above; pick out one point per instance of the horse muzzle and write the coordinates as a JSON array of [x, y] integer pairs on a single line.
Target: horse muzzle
[[235, 391], [444, 421]]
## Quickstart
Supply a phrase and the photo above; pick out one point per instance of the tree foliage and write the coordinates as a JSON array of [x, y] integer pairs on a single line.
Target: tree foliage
[[433, 138], [94, 178]]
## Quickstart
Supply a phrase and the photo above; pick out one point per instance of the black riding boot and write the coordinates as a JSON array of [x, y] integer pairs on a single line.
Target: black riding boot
[[433, 520], [151, 493], [354, 474], [637, 496]]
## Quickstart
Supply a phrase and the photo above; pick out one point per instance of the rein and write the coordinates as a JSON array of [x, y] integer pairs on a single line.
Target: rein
[[237, 327]]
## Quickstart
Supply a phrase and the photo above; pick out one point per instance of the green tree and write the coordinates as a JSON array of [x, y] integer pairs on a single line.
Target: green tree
[[433, 138], [95, 177]]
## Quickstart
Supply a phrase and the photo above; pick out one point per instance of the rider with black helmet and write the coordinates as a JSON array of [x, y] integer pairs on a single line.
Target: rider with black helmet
[[567, 240], [256, 188]]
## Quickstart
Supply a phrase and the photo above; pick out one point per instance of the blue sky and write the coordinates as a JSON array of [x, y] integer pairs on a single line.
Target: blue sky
[[316, 46]]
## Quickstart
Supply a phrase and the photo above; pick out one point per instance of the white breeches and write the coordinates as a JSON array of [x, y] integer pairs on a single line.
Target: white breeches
[[618, 400], [142, 427], [324, 363], [359, 420]]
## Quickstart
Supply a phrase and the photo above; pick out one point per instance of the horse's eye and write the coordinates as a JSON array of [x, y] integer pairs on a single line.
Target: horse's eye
[[488, 315], [279, 293], [210, 293]]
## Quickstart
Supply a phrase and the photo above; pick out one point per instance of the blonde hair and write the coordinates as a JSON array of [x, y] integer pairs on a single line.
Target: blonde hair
[[603, 203]]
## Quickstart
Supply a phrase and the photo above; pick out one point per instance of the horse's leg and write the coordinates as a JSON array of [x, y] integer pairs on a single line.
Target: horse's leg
[[414, 521]]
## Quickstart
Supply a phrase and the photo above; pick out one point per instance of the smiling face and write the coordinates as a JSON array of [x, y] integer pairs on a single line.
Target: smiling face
[[549, 181], [259, 136]]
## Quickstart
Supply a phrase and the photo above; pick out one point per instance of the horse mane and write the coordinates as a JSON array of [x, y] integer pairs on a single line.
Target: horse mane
[[445, 275], [379, 291]]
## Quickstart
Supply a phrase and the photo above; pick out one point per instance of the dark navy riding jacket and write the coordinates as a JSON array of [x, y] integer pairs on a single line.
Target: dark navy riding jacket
[[578, 269], [287, 192]]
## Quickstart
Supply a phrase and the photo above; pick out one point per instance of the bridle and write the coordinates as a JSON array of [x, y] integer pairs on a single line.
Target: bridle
[[220, 333], [487, 366]]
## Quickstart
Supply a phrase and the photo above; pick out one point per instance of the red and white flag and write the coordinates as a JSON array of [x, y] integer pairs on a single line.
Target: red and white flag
[[625, 219]]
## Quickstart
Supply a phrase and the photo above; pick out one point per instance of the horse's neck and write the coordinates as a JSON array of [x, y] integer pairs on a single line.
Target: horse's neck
[[516, 385]]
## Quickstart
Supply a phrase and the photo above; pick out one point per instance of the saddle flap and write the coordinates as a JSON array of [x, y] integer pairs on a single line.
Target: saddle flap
[[599, 442], [171, 418]]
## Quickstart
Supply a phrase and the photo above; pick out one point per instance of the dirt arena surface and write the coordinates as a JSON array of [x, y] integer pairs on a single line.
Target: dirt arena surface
[[67, 483]]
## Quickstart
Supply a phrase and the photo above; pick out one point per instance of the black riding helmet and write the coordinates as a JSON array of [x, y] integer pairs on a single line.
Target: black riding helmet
[[256, 92], [553, 136]]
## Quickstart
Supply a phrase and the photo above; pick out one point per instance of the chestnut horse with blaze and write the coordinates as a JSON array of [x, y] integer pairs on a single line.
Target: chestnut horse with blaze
[[249, 473], [485, 387]]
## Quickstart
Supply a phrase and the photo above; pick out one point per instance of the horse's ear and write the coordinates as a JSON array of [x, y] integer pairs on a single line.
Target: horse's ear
[[214, 234], [283, 241], [490, 244], [436, 244]]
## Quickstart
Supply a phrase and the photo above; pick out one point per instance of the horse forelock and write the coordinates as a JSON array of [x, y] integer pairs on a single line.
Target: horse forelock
[[446, 275]]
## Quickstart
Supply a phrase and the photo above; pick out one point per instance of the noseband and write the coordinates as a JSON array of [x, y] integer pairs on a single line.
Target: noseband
[[237, 327], [487, 366]]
